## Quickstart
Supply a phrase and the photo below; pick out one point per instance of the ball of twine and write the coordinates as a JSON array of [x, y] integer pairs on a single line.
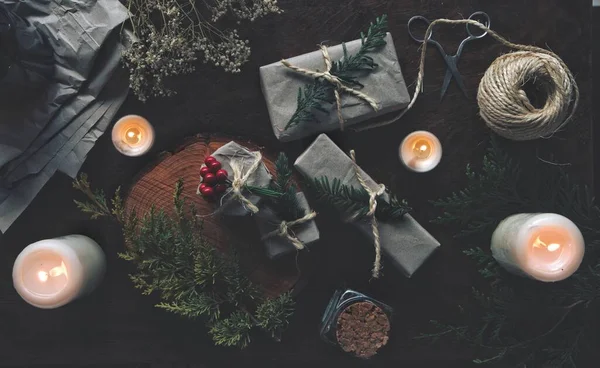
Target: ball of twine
[[505, 106], [503, 103]]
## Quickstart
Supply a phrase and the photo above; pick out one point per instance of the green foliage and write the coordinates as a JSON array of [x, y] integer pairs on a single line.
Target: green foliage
[[287, 205], [232, 331], [98, 207], [174, 261], [523, 322], [273, 315], [281, 192], [320, 92], [355, 201]]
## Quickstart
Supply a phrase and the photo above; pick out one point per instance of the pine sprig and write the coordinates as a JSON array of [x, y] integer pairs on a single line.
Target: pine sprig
[[354, 202], [560, 313], [191, 277], [315, 95]]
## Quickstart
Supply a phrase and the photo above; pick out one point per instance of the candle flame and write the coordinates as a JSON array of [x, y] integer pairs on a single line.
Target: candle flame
[[54, 272], [43, 276], [552, 247], [133, 136], [422, 148]]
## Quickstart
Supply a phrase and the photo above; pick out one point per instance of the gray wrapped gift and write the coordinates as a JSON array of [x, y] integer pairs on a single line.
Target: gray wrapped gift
[[385, 85], [276, 246], [260, 177], [406, 243]]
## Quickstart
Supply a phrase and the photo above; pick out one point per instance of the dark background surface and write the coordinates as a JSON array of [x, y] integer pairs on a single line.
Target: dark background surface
[[117, 327]]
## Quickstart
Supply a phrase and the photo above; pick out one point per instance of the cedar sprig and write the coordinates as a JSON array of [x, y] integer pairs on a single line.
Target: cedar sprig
[[287, 205], [561, 314], [354, 201], [274, 315], [174, 261], [319, 92], [280, 195]]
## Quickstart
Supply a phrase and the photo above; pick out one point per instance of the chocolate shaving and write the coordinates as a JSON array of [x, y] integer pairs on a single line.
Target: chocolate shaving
[[362, 329]]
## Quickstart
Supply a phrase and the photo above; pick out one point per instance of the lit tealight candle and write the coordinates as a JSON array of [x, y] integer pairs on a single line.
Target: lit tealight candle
[[420, 151], [53, 272], [133, 135], [546, 246]]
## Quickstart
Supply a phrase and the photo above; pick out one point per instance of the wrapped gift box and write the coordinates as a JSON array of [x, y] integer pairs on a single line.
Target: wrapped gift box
[[385, 85], [404, 241], [277, 246], [259, 178]]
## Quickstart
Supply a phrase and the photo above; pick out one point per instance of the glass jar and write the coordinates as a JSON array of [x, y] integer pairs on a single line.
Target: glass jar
[[341, 301]]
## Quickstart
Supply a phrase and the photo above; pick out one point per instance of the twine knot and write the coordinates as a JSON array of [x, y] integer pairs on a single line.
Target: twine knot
[[373, 194], [240, 177], [337, 83], [285, 231]]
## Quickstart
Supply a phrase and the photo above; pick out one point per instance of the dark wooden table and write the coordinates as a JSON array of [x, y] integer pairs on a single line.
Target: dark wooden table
[[117, 327]]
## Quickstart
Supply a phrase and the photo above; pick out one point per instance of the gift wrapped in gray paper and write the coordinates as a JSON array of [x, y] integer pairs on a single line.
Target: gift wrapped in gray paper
[[260, 177], [404, 241], [276, 246], [385, 84]]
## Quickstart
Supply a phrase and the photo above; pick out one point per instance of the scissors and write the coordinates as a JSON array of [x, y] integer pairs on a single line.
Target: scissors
[[451, 60]]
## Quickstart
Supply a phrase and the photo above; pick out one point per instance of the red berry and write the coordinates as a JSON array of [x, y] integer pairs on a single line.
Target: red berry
[[214, 166], [220, 188], [202, 186], [207, 192], [208, 160], [204, 170], [222, 175], [210, 179]]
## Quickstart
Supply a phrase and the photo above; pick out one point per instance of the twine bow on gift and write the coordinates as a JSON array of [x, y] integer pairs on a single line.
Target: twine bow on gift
[[285, 231], [240, 178], [337, 83], [373, 194]]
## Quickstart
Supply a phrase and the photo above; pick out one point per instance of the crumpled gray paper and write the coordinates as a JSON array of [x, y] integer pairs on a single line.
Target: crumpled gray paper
[[88, 89], [260, 178], [76, 30], [404, 241], [385, 84], [277, 246]]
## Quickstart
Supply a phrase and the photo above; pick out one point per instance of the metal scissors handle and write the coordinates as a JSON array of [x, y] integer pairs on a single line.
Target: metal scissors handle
[[451, 61], [454, 59]]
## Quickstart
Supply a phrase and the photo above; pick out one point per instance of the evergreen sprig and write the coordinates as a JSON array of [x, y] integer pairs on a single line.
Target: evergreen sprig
[[174, 261], [353, 201], [559, 315], [315, 95], [281, 192], [287, 205]]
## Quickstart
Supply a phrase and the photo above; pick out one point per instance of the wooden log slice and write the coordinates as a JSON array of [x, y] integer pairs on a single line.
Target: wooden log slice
[[155, 186]]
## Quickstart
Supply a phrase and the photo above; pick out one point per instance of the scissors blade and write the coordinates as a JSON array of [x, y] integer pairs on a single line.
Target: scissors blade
[[453, 70], [447, 79]]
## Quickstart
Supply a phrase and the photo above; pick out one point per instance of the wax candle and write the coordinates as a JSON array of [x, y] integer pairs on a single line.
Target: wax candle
[[420, 151], [133, 135], [51, 273], [545, 246]]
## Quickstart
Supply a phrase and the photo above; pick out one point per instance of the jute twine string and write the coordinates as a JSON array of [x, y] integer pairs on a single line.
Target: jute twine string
[[285, 231], [503, 104], [335, 81], [373, 194], [240, 177]]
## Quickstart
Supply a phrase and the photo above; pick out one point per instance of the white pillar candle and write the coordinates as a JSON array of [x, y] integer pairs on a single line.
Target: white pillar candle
[[53, 272], [133, 135], [420, 151], [544, 246]]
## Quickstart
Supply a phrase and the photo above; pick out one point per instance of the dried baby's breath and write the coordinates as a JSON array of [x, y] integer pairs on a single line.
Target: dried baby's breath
[[173, 34]]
